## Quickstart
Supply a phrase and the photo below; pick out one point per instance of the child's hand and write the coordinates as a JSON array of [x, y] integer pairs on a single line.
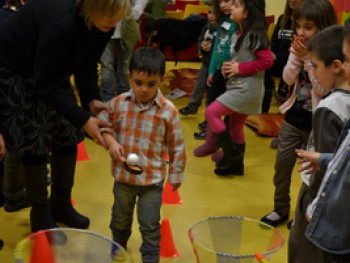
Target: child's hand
[[206, 45], [299, 47], [230, 68], [310, 160], [176, 186], [2, 147], [209, 80], [307, 217], [115, 151]]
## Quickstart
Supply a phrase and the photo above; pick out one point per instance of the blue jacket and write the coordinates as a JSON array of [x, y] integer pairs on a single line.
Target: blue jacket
[[329, 228]]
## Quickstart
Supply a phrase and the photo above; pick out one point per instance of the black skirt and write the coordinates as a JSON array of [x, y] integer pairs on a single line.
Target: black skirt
[[30, 126]]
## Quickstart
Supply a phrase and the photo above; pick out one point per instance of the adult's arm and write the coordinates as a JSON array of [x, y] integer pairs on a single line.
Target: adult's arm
[[52, 56]]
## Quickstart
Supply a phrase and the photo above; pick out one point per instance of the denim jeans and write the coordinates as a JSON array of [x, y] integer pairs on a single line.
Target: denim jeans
[[148, 200], [114, 73]]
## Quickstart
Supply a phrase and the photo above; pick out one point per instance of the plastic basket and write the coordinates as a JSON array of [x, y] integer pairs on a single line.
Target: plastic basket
[[233, 239], [68, 245]]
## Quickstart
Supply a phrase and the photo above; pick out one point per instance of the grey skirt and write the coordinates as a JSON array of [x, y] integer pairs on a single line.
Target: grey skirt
[[30, 126]]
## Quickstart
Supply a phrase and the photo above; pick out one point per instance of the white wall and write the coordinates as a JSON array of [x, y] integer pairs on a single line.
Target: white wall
[[275, 7]]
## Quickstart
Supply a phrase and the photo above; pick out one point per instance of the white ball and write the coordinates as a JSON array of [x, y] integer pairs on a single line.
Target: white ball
[[133, 159]]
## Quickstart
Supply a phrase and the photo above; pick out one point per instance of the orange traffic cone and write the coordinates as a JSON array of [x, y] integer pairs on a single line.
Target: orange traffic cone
[[169, 196], [167, 246], [82, 153], [41, 252]]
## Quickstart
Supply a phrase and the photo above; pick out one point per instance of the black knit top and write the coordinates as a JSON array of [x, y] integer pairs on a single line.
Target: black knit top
[[47, 40]]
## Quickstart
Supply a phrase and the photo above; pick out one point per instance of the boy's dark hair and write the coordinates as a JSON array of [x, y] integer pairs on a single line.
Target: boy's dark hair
[[328, 44], [321, 12], [149, 60], [346, 30]]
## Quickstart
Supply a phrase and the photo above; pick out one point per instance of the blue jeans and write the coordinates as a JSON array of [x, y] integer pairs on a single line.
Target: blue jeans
[[114, 74], [148, 200]]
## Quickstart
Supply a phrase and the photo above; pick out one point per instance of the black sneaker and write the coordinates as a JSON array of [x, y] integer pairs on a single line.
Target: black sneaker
[[201, 135], [202, 126], [188, 111], [274, 223]]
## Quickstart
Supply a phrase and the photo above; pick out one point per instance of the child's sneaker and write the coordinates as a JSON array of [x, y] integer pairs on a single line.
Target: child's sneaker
[[187, 111], [201, 135], [274, 218], [202, 126]]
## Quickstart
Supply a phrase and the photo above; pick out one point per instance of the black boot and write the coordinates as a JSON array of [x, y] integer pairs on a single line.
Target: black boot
[[231, 152], [62, 176], [236, 167], [34, 177], [13, 188]]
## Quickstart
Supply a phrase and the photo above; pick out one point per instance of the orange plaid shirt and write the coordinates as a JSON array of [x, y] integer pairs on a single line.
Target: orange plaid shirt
[[150, 131]]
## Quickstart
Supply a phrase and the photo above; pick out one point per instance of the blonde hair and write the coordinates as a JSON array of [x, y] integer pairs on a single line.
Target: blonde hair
[[91, 9]]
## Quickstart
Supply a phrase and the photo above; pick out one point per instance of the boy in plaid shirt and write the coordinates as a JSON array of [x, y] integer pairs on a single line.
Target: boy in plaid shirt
[[146, 123]]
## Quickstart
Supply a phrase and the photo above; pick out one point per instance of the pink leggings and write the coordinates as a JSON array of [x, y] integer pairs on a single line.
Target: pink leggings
[[213, 115]]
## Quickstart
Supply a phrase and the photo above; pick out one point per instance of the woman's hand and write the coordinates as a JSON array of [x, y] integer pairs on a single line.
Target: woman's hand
[[96, 106], [230, 68], [93, 127]]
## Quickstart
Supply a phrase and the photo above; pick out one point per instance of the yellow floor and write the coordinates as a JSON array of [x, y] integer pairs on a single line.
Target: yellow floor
[[203, 193]]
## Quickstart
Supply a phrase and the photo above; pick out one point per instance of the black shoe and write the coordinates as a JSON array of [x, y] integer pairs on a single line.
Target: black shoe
[[236, 169], [201, 135], [67, 215], [1, 244], [202, 126], [274, 223], [187, 111], [13, 206]]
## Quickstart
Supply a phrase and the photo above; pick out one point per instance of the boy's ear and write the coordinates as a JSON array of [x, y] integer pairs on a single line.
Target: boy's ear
[[337, 66]]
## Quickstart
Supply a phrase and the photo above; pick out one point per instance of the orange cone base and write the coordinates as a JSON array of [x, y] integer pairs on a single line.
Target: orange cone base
[[169, 196], [42, 252], [73, 202], [82, 153], [167, 246]]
